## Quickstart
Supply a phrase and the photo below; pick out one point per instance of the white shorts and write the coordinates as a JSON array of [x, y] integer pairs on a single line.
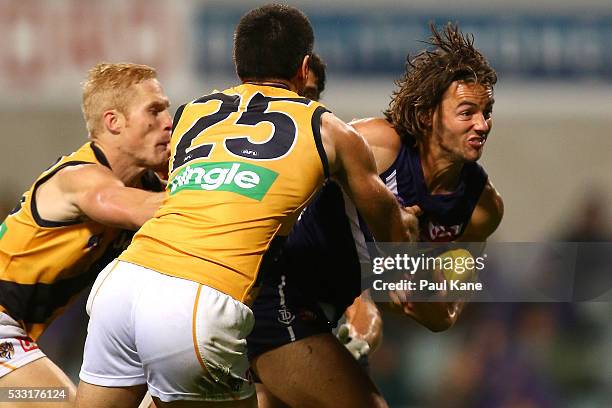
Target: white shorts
[[184, 340], [16, 348]]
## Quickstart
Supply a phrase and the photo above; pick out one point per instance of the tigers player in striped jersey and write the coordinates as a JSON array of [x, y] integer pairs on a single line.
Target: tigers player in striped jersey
[[244, 163], [54, 242]]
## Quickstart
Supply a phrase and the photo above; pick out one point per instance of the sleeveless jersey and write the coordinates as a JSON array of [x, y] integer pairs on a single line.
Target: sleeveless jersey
[[244, 162], [44, 264], [330, 237]]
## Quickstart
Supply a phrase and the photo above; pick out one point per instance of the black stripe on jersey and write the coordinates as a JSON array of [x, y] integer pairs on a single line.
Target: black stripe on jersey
[[316, 131], [16, 209], [100, 155], [37, 218], [151, 182], [35, 303], [177, 116]]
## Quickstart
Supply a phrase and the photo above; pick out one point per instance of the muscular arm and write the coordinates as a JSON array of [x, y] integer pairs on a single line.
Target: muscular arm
[[93, 192], [363, 317], [352, 165], [486, 216]]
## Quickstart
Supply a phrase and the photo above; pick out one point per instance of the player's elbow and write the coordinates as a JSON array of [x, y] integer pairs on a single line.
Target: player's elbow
[[440, 325], [443, 318]]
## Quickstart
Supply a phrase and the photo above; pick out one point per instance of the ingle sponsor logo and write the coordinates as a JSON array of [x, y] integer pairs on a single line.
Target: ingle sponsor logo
[[242, 178]]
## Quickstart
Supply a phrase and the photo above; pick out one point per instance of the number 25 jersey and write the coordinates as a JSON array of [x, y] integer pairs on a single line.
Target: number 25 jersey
[[244, 162]]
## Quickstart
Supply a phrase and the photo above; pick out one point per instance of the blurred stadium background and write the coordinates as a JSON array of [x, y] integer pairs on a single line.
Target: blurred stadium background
[[548, 154]]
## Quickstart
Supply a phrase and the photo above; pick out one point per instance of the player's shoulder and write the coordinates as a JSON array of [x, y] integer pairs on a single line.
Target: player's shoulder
[[372, 125], [89, 169], [382, 138], [378, 132], [487, 215], [333, 124], [492, 199], [75, 177]]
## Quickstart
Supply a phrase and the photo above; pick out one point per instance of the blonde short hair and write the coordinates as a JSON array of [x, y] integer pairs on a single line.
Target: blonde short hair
[[108, 87]]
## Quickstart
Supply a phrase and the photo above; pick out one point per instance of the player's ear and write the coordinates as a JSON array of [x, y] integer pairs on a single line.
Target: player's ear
[[301, 76], [113, 121], [304, 68]]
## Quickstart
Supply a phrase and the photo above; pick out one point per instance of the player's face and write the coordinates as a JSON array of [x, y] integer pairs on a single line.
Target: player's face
[[463, 120], [310, 89], [148, 125]]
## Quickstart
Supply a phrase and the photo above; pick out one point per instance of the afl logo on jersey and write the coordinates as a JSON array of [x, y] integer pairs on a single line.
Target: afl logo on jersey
[[285, 316], [251, 153]]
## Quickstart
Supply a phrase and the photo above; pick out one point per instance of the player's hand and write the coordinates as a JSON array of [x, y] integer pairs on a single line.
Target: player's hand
[[411, 222], [400, 301], [356, 346]]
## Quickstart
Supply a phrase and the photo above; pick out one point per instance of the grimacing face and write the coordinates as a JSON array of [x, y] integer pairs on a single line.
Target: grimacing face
[[463, 120], [148, 125]]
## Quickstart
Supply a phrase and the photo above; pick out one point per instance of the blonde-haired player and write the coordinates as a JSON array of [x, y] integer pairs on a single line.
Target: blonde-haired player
[[52, 243]]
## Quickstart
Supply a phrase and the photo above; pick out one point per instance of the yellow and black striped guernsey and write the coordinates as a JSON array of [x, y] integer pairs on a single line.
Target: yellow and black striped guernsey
[[244, 162], [44, 264]]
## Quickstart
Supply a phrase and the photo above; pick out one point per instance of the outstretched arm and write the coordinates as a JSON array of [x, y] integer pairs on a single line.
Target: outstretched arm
[[92, 191], [352, 165]]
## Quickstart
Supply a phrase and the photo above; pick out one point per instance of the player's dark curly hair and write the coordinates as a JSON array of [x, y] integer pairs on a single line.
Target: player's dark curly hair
[[429, 74], [271, 41], [318, 68]]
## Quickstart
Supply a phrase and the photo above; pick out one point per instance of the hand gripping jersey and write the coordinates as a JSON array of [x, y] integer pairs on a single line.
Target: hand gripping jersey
[[323, 252], [244, 162], [43, 264]]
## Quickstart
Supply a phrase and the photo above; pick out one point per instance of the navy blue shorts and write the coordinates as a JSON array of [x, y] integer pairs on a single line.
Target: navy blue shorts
[[283, 315]]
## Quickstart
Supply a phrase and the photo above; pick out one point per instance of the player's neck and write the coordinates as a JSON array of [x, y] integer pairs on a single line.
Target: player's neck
[[440, 172], [121, 164], [276, 83]]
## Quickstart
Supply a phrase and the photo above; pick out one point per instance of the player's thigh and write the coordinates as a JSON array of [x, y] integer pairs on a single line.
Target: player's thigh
[[250, 402], [40, 373], [316, 371], [147, 402], [96, 396], [265, 399]]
